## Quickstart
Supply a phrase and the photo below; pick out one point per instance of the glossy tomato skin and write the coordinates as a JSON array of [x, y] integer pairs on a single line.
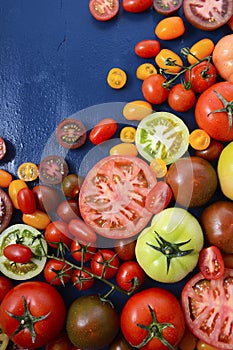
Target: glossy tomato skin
[[165, 28], [61, 342], [136, 6], [103, 10], [81, 252], [37, 219], [82, 279], [181, 99], [130, 276], [13, 190], [6, 210], [119, 343], [212, 152], [57, 272], [167, 310], [42, 300], [125, 249], [71, 185], [18, 253], [211, 263], [201, 76], [80, 230], [223, 57], [153, 90], [57, 232], [225, 170], [47, 198], [5, 285], [68, 210], [103, 131], [26, 201], [105, 263], [147, 48]]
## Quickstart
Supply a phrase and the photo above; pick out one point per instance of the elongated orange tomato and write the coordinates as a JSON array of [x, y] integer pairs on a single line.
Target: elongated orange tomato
[[38, 219], [137, 110], [200, 49], [5, 178], [170, 28], [169, 60]]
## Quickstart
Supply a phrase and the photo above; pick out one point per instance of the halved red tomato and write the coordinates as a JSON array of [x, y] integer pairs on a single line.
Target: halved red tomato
[[113, 195], [104, 10], [207, 306], [159, 197], [211, 262]]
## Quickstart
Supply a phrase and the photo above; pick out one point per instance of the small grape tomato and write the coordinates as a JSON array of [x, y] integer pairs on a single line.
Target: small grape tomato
[[81, 231], [27, 171], [159, 197], [53, 169], [211, 262], [71, 133], [199, 139], [5, 178], [124, 149], [127, 134], [147, 48], [26, 200], [169, 61], [137, 110], [103, 131], [13, 189], [2, 148], [159, 167], [18, 253], [38, 219], [145, 70], [201, 49], [136, 6], [104, 10], [170, 28], [116, 78]]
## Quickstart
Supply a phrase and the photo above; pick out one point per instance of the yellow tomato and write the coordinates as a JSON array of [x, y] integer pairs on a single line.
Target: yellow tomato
[[203, 346], [137, 110], [116, 78], [159, 167], [170, 28], [145, 70], [5, 178], [162, 61], [225, 170], [127, 134], [124, 149], [201, 49], [14, 187], [27, 171], [38, 219]]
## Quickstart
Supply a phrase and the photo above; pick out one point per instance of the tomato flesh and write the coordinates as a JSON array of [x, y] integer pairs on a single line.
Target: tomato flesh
[[211, 263], [104, 10], [167, 7]]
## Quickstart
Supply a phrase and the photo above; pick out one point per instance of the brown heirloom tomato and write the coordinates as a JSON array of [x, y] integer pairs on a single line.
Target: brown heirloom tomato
[[6, 210], [47, 198]]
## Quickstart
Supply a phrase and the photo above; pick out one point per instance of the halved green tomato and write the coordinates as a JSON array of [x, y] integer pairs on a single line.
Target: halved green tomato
[[30, 237], [162, 135]]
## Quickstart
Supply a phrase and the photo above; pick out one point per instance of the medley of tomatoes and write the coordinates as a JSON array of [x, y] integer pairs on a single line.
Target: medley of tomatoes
[[130, 222]]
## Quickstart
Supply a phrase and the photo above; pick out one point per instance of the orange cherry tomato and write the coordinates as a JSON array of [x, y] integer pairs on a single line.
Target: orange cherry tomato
[[38, 219], [199, 139], [27, 171], [163, 58], [116, 78], [14, 187], [200, 49], [5, 178], [144, 70], [170, 28]]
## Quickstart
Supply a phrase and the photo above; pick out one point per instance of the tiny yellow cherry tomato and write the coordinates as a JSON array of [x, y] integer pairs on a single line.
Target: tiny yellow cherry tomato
[[38, 219], [200, 49], [145, 70], [137, 110], [14, 187], [5, 178], [124, 149], [159, 167], [170, 28], [203, 346], [116, 78], [163, 58], [199, 139], [127, 134], [27, 171]]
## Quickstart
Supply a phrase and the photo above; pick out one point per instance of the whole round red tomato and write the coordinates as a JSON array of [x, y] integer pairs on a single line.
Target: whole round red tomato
[[5, 285], [153, 320], [136, 5], [207, 306], [201, 76], [211, 111], [57, 272], [180, 98], [130, 276], [105, 263], [153, 90], [82, 252], [57, 233], [32, 314]]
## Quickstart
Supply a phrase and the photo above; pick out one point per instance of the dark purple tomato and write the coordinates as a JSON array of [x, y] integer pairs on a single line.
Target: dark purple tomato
[[52, 170], [212, 152], [6, 210], [125, 249], [136, 5], [68, 210], [2, 148], [26, 200], [71, 185], [71, 133], [47, 198], [167, 7], [18, 253]]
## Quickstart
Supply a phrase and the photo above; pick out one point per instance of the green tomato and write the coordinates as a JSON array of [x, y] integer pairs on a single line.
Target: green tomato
[[225, 170], [168, 250]]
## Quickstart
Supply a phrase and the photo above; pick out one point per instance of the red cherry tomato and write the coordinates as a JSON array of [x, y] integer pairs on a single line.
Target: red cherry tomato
[[82, 280], [103, 131], [153, 90], [147, 48], [105, 263], [68, 210], [61, 342], [180, 98], [130, 275], [5, 285], [57, 232], [80, 230], [136, 5], [57, 272], [125, 249], [18, 253], [201, 76], [159, 197], [26, 201], [211, 263], [104, 10], [81, 252]]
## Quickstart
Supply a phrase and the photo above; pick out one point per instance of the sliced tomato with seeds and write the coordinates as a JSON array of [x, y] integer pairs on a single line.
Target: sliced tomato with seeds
[[2, 148], [112, 197], [159, 197], [71, 133], [104, 10], [53, 169], [211, 262], [27, 171], [6, 210], [167, 7]]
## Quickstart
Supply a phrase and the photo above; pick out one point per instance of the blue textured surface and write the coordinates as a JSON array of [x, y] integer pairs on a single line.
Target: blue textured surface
[[54, 62]]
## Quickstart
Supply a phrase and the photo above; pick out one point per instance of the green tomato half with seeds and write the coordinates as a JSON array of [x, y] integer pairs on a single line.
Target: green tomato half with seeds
[[30, 237], [168, 250]]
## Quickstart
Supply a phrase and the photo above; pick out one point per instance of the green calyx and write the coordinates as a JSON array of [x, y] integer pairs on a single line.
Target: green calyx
[[227, 108], [170, 250]]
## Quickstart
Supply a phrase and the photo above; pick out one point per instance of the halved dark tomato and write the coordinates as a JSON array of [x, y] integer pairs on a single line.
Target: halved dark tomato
[[71, 133], [104, 10], [207, 14], [6, 210], [53, 169], [167, 7], [159, 197], [2, 148]]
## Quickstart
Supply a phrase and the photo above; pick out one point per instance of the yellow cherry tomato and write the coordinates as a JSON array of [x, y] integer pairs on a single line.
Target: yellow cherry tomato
[[116, 78], [203, 346], [27, 171], [124, 149], [38, 219], [14, 187], [137, 110], [145, 70], [201, 49], [170, 28], [5, 178], [127, 134], [163, 58], [199, 139], [159, 167]]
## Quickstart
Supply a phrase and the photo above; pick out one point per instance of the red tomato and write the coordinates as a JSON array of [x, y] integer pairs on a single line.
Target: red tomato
[[80, 230], [125, 248], [82, 280], [130, 276], [26, 200], [105, 263], [159, 197], [68, 210], [147, 48], [57, 233], [211, 263], [167, 7], [180, 98], [208, 111], [61, 342], [81, 252], [201, 76], [153, 90], [103, 131], [52, 170], [57, 272], [153, 316], [47, 198], [18, 253], [104, 10], [207, 306], [32, 306], [112, 197], [136, 5], [2, 148], [5, 285]]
